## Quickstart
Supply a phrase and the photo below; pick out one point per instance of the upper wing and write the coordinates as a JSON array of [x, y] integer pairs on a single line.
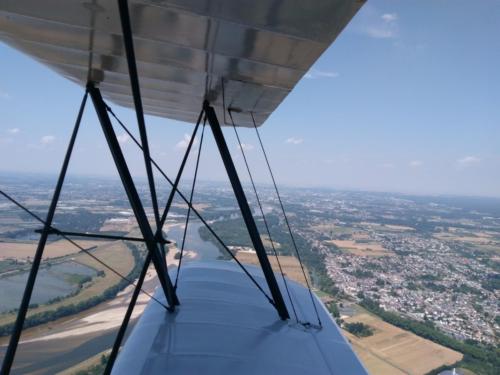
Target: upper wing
[[241, 54]]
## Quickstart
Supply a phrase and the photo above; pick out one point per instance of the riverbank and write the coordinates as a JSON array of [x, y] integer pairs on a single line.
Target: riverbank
[[104, 286], [60, 344]]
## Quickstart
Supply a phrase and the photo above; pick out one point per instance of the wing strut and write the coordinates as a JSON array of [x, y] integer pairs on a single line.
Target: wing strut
[[141, 123], [199, 216], [147, 261], [264, 217], [286, 221], [133, 196], [175, 189], [279, 303], [28, 291]]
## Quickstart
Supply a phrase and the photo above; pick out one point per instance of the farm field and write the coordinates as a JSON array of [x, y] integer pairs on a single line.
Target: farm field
[[364, 248], [267, 242], [387, 227], [290, 264], [481, 240], [332, 228], [200, 207], [118, 225], [59, 248], [391, 350]]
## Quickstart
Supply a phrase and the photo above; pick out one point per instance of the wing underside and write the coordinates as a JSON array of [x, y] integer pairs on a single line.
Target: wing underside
[[239, 54]]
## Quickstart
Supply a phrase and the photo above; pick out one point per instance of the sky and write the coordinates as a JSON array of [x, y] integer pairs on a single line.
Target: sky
[[406, 100]]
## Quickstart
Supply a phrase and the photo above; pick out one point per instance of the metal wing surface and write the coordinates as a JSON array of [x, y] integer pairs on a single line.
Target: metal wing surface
[[226, 326], [241, 54]]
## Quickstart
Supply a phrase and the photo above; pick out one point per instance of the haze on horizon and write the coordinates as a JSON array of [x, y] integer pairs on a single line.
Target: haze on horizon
[[405, 100]]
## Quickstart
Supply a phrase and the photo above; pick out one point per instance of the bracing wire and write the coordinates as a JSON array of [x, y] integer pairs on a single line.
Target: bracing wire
[[263, 216], [286, 221], [86, 251], [183, 197], [190, 204]]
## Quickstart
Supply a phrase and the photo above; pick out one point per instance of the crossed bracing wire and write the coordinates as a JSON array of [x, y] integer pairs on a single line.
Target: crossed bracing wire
[[284, 215], [86, 251], [263, 216], [52, 230], [189, 206], [294, 243], [195, 211]]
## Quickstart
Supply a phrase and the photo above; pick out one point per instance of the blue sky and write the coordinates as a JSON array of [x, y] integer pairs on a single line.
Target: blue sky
[[407, 99]]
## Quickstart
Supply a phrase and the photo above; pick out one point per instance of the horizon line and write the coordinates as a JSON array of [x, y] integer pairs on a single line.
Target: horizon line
[[284, 185]]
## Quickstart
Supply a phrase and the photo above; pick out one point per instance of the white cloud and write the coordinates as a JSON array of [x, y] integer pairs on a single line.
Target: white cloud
[[13, 130], [4, 95], [416, 163], [294, 141], [246, 146], [123, 138], [468, 161], [389, 17], [385, 27], [47, 139], [314, 73], [183, 144]]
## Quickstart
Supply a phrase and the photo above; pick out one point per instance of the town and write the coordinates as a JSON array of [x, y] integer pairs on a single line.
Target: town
[[423, 261]]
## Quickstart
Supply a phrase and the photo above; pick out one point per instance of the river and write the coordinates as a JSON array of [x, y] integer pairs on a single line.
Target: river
[[205, 250], [54, 355], [51, 282]]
